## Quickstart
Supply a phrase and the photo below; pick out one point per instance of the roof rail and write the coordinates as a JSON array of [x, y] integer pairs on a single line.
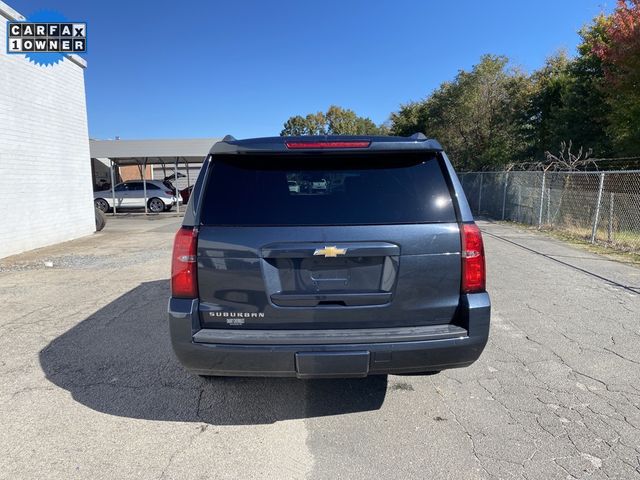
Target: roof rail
[[418, 136], [229, 138]]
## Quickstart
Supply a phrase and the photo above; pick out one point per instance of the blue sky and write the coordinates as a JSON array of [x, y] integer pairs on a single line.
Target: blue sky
[[204, 68]]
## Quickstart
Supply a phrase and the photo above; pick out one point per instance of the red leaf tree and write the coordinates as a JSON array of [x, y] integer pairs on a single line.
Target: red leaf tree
[[620, 55]]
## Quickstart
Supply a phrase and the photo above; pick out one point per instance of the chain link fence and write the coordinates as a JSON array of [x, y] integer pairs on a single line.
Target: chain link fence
[[601, 207]]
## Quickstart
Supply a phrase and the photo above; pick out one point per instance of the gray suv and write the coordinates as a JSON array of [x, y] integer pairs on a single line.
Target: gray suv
[[371, 265]]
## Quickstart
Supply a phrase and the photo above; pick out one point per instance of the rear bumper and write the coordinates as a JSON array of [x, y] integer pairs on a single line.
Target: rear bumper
[[412, 350]]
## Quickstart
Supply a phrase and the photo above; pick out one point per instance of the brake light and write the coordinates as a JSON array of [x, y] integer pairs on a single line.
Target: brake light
[[473, 266], [335, 144], [169, 192], [184, 280]]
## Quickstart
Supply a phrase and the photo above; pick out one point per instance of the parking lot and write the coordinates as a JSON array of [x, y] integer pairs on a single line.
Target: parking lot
[[89, 386]]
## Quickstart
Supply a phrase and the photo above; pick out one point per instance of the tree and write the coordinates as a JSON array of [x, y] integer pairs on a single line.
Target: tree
[[568, 103], [540, 122], [296, 125], [475, 117], [586, 110], [410, 119], [336, 121], [312, 124], [619, 50], [494, 115]]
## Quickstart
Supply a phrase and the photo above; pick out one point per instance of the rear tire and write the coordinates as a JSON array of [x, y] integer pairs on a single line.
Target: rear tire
[[101, 220], [101, 204], [168, 209], [156, 205]]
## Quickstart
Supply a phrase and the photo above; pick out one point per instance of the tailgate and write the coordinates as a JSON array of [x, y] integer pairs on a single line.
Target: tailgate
[[276, 281], [322, 241]]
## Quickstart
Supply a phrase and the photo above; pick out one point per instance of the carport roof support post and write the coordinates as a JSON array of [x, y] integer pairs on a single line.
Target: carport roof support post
[[175, 175], [144, 184], [113, 189]]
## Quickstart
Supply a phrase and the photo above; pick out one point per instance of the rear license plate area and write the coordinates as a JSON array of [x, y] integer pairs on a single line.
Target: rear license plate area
[[332, 364], [330, 274], [333, 277]]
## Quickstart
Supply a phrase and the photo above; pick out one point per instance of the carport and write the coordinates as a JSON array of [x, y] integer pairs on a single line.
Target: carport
[[142, 153]]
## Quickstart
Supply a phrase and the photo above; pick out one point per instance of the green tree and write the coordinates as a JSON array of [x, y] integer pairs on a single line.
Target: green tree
[[476, 116], [409, 119], [295, 125], [540, 121], [336, 121], [568, 103]]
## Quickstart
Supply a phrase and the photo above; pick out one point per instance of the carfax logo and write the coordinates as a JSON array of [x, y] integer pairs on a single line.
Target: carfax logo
[[46, 37]]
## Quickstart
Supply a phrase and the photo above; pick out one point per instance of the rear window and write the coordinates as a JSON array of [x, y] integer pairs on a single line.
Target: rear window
[[140, 186], [325, 190]]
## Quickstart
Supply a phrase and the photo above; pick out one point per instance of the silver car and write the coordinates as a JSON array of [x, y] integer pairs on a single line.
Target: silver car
[[130, 194]]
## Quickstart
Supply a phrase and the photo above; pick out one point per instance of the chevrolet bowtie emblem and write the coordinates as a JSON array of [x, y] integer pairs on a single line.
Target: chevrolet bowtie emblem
[[330, 251]]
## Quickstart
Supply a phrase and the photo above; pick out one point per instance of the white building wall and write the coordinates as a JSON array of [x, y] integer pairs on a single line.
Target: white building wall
[[45, 172]]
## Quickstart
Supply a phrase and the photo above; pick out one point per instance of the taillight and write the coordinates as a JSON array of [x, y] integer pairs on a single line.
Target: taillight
[[169, 192], [184, 280], [473, 268], [330, 144]]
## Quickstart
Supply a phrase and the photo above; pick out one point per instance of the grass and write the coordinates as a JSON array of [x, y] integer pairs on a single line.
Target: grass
[[625, 249]]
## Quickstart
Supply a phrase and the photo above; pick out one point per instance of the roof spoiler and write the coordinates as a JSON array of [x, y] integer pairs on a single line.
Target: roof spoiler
[[416, 142], [415, 136]]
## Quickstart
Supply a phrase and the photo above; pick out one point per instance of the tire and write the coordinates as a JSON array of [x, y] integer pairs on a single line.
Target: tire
[[101, 220], [155, 205], [168, 209], [102, 205]]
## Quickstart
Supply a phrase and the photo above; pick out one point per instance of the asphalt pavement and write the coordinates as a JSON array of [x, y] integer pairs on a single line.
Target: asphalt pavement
[[89, 387]]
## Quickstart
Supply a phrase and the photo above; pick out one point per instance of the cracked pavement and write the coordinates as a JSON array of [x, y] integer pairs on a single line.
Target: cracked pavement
[[89, 387]]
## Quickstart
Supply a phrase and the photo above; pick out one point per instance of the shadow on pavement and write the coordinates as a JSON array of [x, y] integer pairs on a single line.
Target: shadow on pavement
[[119, 361]]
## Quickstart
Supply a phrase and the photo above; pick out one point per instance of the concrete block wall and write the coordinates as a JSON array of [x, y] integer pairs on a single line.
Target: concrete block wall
[[45, 169]]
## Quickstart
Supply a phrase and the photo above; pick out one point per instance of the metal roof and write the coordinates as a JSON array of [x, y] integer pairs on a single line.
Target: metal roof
[[155, 151]]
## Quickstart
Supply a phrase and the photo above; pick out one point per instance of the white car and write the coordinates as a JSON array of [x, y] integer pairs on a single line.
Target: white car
[[294, 186], [319, 185], [130, 194]]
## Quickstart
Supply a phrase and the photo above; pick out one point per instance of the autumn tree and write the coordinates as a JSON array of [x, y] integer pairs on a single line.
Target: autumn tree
[[619, 51]]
